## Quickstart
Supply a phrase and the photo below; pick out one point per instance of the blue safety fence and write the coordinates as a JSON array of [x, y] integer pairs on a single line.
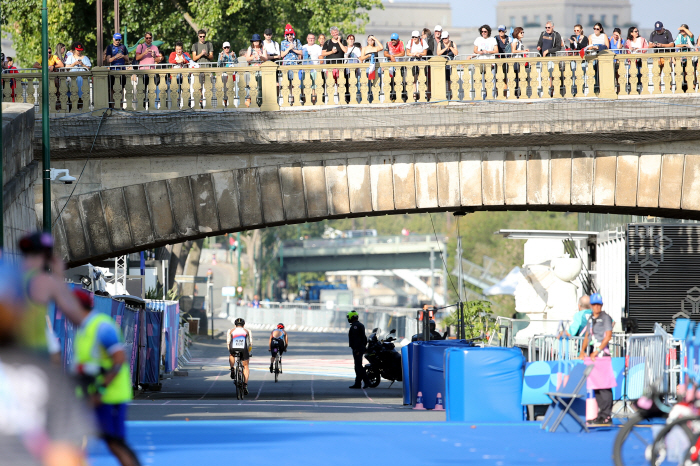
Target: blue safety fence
[[154, 324], [171, 325]]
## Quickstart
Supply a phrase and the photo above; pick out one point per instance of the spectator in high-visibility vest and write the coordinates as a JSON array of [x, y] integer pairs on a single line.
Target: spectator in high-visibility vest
[[100, 362]]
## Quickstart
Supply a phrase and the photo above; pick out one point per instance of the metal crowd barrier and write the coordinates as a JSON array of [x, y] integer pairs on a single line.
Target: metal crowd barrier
[[645, 361], [553, 348]]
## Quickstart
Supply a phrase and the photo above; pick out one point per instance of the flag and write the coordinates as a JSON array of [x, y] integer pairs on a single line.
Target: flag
[[371, 71]]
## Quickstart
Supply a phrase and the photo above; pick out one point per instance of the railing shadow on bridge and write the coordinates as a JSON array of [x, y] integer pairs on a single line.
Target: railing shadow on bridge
[[270, 86]]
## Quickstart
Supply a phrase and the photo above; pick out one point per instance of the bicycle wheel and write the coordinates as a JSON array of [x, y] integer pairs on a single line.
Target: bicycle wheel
[[631, 442], [277, 367], [241, 380], [673, 442]]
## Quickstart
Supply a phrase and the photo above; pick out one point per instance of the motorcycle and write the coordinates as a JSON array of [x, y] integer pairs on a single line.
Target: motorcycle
[[384, 360]]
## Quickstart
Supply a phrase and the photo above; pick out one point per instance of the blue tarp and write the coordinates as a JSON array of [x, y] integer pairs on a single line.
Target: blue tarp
[[154, 322], [171, 325], [483, 384]]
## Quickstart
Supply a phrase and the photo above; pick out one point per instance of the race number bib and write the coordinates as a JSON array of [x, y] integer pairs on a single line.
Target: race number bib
[[238, 343]]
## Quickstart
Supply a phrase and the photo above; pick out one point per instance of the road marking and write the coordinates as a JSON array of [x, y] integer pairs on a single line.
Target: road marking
[[212, 385], [260, 389], [370, 399]]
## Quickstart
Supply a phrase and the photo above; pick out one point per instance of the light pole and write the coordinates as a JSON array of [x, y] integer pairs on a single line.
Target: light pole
[[45, 143]]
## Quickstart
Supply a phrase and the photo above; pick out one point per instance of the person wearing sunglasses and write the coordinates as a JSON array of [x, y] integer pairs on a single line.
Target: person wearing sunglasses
[[550, 41], [598, 40], [485, 46], [227, 57], [203, 50]]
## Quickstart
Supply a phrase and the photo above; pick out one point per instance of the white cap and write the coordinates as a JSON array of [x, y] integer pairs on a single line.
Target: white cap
[[415, 34], [226, 44], [445, 34], [438, 28]]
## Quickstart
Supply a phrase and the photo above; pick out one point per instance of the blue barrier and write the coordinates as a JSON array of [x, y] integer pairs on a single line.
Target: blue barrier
[[406, 358], [171, 334], [427, 368], [483, 384], [154, 323]]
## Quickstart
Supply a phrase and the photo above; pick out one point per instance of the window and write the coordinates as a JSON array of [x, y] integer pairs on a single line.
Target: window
[[578, 18], [537, 19], [591, 20], [615, 19], [512, 21], [549, 17], [524, 20], [602, 20]]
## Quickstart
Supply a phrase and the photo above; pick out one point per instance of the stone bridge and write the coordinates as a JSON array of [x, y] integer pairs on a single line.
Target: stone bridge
[[151, 181]]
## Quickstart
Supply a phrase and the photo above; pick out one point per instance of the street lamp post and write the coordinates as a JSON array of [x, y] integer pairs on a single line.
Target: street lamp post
[[45, 142]]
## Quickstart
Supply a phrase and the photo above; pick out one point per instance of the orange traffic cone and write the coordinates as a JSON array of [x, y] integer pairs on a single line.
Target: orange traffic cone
[[438, 403], [419, 401]]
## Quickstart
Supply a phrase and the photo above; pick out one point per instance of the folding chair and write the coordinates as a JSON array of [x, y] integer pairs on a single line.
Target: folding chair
[[568, 406]]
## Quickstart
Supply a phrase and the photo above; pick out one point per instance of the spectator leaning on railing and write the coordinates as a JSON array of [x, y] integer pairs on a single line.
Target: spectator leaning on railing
[[660, 38], [685, 40], [485, 46], [617, 43], [578, 41], [550, 41], [227, 57], [272, 48]]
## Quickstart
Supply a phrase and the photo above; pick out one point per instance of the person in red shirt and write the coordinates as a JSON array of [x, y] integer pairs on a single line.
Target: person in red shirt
[[11, 68], [179, 57], [394, 48]]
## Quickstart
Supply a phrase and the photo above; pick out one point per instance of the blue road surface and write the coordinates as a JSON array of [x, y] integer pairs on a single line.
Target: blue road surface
[[354, 443]]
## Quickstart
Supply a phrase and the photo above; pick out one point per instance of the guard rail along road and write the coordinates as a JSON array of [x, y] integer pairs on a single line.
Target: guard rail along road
[[270, 87]]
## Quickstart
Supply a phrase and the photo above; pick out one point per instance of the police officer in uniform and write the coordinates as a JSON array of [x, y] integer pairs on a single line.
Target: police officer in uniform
[[358, 342]]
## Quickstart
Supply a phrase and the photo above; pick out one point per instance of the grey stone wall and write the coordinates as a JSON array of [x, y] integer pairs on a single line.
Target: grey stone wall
[[20, 173]]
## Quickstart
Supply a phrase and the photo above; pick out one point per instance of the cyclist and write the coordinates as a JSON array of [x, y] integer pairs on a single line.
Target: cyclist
[[278, 342], [240, 340]]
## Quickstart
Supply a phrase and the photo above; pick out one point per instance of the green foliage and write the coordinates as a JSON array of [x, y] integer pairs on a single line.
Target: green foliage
[[157, 293], [478, 319], [176, 20]]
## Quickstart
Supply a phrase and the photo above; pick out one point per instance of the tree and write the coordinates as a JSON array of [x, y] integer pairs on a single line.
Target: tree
[[176, 20]]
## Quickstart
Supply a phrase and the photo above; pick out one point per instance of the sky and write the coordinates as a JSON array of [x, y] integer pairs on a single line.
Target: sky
[[644, 12]]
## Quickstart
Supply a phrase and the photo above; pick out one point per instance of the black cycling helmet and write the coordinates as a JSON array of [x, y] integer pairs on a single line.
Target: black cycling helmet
[[36, 243], [239, 322]]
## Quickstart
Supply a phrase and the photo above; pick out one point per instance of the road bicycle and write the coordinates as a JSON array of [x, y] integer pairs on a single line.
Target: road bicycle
[[238, 377], [278, 365]]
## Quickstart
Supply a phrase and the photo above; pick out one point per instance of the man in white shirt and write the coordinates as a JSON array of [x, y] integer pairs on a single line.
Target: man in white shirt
[[312, 52], [485, 46]]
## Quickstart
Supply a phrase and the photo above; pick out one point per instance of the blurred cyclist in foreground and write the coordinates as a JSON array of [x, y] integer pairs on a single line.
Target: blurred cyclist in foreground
[[41, 421]]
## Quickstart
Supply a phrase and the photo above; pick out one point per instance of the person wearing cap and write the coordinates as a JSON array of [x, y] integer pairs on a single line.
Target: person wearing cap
[[416, 49], [202, 50], [116, 54], [43, 284], [227, 57], [438, 34], [660, 38], [101, 367], [41, 420], [291, 48], [394, 49], [271, 47], [78, 62], [503, 42], [598, 334]]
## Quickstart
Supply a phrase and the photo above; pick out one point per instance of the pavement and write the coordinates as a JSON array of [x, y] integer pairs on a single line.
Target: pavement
[[317, 371]]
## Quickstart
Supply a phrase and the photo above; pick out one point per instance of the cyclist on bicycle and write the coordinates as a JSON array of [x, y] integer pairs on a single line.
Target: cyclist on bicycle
[[278, 343], [239, 341]]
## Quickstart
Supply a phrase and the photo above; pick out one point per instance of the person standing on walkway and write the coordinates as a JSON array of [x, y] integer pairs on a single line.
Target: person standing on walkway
[[358, 342], [102, 368], [595, 343]]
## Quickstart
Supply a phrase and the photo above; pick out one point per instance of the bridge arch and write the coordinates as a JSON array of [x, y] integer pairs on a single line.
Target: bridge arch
[[115, 221]]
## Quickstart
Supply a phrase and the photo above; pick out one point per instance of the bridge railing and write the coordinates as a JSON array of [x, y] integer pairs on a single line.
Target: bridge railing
[[270, 86]]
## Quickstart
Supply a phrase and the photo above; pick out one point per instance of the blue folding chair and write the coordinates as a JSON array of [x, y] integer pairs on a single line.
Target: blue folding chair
[[568, 408]]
